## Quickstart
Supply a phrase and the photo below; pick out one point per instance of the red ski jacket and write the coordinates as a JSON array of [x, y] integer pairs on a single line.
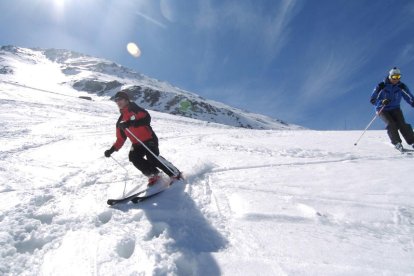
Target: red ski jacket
[[139, 120]]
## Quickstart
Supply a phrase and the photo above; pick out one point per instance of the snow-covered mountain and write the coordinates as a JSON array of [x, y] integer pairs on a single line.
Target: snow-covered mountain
[[105, 78]]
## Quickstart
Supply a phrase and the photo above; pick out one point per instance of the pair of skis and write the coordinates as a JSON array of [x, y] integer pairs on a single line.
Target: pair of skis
[[135, 198], [149, 192]]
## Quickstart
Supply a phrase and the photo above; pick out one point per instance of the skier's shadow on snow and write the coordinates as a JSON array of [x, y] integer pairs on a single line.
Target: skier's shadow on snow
[[175, 213]]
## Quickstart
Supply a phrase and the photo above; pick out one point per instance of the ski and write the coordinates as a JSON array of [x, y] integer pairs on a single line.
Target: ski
[[139, 198], [125, 199], [407, 151], [403, 150], [144, 194]]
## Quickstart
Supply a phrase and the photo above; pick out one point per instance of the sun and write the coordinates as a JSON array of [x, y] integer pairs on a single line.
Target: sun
[[59, 3], [58, 8]]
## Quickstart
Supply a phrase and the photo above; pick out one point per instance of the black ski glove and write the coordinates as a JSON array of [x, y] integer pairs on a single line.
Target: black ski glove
[[385, 102], [372, 101], [124, 125], [109, 152]]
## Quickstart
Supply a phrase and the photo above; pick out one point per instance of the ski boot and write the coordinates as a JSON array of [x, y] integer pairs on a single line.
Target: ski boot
[[153, 179], [399, 147]]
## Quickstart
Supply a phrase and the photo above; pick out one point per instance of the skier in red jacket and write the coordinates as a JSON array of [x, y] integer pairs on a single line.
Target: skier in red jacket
[[136, 120]]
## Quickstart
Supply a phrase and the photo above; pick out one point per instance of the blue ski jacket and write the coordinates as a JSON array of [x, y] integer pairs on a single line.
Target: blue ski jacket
[[394, 93]]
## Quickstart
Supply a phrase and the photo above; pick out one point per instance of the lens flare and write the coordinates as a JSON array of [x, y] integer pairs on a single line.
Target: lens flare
[[133, 49]]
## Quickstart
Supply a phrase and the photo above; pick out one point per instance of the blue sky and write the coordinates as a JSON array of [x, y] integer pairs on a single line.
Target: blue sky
[[308, 62]]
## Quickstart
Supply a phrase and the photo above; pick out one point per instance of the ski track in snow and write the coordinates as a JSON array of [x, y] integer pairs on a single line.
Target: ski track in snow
[[252, 202]]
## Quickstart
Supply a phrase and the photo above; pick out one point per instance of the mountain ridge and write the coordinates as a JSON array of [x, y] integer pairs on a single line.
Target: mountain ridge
[[104, 78]]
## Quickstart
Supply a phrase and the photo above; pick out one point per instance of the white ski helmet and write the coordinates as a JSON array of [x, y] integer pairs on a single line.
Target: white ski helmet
[[394, 71]]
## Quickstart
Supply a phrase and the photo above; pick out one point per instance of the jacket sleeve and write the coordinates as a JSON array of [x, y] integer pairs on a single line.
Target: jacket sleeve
[[376, 93], [120, 139], [120, 136], [408, 97]]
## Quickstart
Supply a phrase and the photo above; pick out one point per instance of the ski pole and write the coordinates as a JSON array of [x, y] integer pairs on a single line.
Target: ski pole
[[370, 123], [126, 176], [153, 154]]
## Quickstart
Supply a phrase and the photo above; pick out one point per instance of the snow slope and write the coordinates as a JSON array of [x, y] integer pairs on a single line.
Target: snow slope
[[254, 202]]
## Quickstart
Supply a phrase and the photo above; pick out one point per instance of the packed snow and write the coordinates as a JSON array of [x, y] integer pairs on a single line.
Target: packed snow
[[253, 202]]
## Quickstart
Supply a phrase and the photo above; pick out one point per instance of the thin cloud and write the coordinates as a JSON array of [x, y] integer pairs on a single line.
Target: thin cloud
[[269, 31], [406, 56], [329, 75], [152, 20], [276, 31]]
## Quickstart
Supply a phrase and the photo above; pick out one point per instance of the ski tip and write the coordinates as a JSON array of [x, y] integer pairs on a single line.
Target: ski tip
[[110, 202], [135, 200], [179, 176]]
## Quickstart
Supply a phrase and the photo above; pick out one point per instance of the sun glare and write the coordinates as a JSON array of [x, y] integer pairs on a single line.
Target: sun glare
[[59, 3], [58, 8]]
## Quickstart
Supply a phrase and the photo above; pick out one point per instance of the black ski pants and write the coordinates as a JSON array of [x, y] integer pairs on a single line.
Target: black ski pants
[[394, 119], [145, 161]]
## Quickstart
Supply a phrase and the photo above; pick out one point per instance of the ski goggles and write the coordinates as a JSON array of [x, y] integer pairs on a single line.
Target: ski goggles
[[396, 77], [117, 99]]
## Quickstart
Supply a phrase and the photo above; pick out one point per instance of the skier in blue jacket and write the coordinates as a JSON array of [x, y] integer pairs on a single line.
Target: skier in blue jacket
[[387, 96]]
